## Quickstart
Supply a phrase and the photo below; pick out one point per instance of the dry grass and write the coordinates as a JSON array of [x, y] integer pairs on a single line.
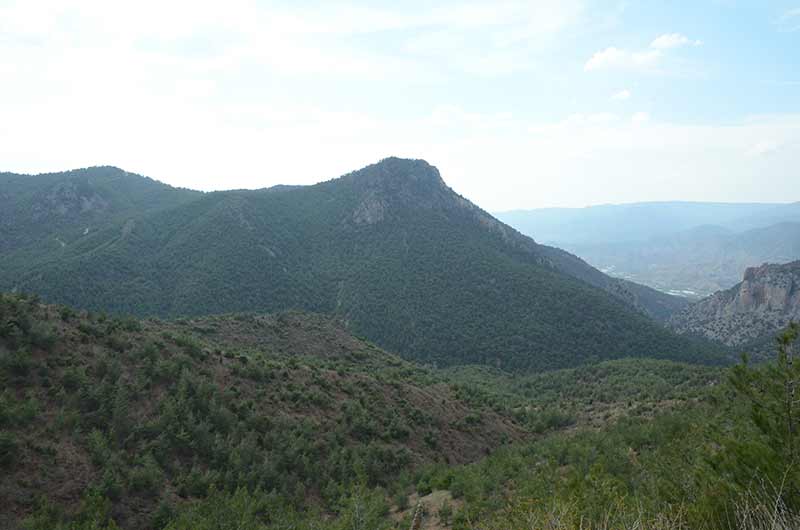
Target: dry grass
[[756, 510]]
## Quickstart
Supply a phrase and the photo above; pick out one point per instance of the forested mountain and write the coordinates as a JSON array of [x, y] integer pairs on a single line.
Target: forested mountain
[[390, 249], [764, 302], [54, 210], [688, 249]]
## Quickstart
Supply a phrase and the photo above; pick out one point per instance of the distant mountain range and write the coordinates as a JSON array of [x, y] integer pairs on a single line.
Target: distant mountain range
[[688, 249], [751, 312], [390, 249]]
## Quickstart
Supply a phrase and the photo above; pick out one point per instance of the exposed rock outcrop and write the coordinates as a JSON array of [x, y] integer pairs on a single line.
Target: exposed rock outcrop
[[765, 301]]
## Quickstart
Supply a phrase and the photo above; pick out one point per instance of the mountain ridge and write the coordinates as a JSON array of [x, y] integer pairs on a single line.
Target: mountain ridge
[[390, 248]]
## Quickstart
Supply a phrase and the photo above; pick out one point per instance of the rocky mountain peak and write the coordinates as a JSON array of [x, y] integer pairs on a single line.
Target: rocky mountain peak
[[399, 177], [395, 184]]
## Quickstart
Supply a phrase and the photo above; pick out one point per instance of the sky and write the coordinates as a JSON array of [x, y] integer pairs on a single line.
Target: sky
[[519, 104]]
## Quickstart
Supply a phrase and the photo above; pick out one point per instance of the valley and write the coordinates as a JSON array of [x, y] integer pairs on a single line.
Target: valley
[[690, 250]]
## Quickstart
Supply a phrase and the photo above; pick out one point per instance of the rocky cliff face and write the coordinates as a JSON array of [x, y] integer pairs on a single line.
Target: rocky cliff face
[[766, 300]]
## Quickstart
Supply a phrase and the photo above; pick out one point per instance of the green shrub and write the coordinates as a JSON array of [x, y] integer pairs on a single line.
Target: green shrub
[[98, 447], [111, 483], [9, 449], [18, 363], [42, 336], [146, 478], [73, 378]]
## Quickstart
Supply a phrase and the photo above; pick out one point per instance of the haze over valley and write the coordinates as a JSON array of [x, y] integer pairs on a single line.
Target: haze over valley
[[686, 249]]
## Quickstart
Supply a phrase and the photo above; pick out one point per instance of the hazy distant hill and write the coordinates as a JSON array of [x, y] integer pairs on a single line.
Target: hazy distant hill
[[764, 302], [613, 223], [699, 261], [692, 249], [390, 249]]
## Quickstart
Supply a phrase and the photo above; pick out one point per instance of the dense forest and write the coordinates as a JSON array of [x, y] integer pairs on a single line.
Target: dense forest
[[287, 421], [389, 249]]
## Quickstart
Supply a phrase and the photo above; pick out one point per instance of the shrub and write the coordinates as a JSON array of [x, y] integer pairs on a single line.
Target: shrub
[[9, 449], [111, 484], [98, 447], [147, 477], [73, 379], [18, 363], [42, 336]]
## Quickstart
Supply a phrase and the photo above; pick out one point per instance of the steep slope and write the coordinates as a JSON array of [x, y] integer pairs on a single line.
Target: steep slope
[[766, 300], [656, 304], [150, 413], [391, 249]]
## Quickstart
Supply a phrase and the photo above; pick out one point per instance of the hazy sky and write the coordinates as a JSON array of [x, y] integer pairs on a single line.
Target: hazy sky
[[519, 104]]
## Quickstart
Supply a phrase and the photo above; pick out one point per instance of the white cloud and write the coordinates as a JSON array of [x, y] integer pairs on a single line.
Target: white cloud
[[792, 13], [496, 159], [622, 95], [492, 39], [613, 58], [669, 40], [790, 20], [640, 117], [763, 148], [293, 40], [207, 98], [589, 120]]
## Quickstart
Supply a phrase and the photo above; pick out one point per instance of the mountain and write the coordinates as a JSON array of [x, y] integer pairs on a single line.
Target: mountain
[[389, 249], [150, 412], [686, 249], [53, 210], [614, 223], [764, 302]]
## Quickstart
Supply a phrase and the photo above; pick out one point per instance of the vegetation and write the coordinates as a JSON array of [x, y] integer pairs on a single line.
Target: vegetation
[[286, 421], [725, 458], [389, 249], [138, 417]]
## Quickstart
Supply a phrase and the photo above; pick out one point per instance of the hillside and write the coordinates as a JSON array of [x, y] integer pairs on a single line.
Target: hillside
[[151, 413], [287, 421], [764, 302], [389, 249]]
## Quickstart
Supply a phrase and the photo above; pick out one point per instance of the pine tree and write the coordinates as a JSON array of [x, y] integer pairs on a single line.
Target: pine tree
[[770, 391]]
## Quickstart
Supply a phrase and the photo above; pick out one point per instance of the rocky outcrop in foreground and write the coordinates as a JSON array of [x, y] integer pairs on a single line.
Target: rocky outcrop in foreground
[[765, 301]]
